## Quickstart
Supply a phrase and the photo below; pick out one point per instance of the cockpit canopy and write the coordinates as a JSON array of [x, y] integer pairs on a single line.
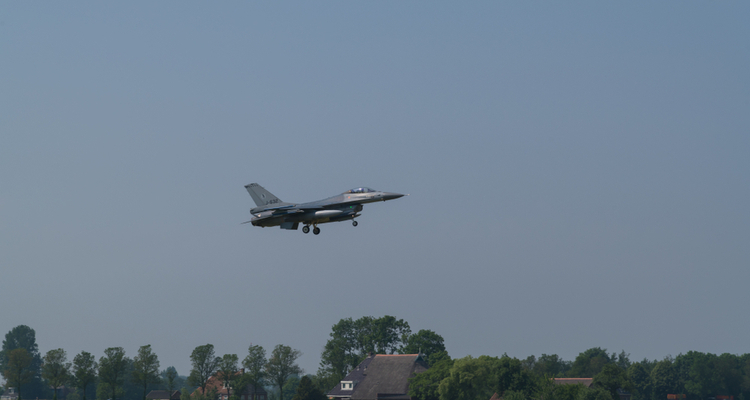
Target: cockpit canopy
[[361, 190]]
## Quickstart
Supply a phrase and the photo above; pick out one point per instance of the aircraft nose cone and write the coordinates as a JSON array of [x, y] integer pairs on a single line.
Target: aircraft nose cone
[[391, 196]]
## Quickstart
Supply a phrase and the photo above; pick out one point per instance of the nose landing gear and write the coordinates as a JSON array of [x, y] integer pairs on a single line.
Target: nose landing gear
[[355, 223]]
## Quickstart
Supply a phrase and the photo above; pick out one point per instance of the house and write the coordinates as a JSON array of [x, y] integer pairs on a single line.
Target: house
[[10, 394], [380, 377], [163, 395], [249, 392]]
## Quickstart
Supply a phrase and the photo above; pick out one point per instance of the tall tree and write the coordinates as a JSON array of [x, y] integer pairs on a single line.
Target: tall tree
[[388, 334], [511, 377], [551, 365], [204, 362], [18, 370], [84, 371], [589, 363], [227, 370], [56, 369], [663, 380], [307, 391], [623, 360], [290, 387], [424, 386], [611, 378], [146, 368], [23, 337], [112, 371], [424, 342], [281, 365], [470, 379], [254, 364], [169, 377], [641, 380], [594, 393], [351, 341]]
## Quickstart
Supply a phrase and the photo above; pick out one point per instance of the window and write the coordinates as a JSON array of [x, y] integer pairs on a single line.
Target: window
[[361, 190]]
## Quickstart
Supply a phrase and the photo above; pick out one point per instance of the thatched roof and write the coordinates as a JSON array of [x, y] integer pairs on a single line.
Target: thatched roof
[[382, 376]]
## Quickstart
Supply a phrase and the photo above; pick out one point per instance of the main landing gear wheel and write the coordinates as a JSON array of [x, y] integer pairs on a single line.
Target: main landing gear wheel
[[306, 229], [316, 230], [355, 223]]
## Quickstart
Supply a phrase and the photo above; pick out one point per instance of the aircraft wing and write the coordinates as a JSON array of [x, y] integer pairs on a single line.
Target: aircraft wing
[[292, 209]]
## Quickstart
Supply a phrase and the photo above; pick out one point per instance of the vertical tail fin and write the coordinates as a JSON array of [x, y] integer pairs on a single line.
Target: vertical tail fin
[[262, 197]]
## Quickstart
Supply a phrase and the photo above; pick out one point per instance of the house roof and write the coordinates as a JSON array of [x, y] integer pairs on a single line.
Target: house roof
[[382, 376], [163, 394], [573, 381], [215, 383]]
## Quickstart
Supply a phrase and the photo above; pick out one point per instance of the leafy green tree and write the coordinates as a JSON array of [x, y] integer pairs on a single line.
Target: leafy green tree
[[437, 357], [112, 372], [663, 380], [351, 342], [550, 366], [611, 378], [281, 365], [470, 379], [424, 342], [18, 372], [240, 384], [424, 386], [146, 368], [306, 390], [729, 367], [696, 372], [185, 394], [169, 378], [589, 363], [594, 393], [389, 335], [227, 369], [512, 377], [623, 360], [514, 395], [23, 337], [640, 377], [569, 392], [204, 362], [56, 369], [290, 386], [255, 364], [84, 371]]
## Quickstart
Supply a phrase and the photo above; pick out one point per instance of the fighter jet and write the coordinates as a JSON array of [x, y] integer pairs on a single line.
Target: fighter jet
[[271, 211]]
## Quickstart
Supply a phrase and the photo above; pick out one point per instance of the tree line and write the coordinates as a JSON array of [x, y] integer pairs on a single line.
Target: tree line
[[117, 377], [699, 376], [696, 375]]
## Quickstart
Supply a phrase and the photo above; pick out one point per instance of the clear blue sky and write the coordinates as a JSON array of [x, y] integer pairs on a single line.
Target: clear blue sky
[[578, 174]]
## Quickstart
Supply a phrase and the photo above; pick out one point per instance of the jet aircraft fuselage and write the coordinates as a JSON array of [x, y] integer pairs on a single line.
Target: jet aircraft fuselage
[[271, 211]]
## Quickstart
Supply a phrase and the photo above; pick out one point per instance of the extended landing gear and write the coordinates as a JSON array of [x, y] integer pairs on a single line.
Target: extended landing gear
[[355, 223], [306, 229]]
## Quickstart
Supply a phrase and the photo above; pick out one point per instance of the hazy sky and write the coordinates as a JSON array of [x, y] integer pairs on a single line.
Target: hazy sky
[[578, 174]]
